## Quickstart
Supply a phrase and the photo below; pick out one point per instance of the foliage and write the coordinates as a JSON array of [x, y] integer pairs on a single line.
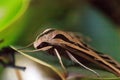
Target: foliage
[[20, 24]]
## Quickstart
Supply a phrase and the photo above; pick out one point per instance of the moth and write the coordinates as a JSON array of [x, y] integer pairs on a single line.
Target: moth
[[69, 45]]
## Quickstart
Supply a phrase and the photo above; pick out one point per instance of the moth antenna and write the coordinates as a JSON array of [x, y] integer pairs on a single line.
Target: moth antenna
[[35, 50], [26, 46], [60, 60], [75, 60], [21, 49]]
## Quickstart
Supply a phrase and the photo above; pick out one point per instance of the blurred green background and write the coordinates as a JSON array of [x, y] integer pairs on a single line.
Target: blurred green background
[[22, 20]]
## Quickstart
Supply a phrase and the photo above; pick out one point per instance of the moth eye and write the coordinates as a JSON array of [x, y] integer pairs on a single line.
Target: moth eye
[[60, 36], [43, 44]]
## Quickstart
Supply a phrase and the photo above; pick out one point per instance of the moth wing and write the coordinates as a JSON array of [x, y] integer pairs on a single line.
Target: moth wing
[[110, 60], [80, 37], [83, 40], [104, 56], [107, 58]]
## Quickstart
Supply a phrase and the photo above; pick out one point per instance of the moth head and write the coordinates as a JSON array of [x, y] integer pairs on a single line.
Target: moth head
[[43, 46], [42, 41]]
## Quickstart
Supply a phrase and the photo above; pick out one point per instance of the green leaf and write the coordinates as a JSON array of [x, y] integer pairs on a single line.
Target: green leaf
[[105, 37], [10, 13], [46, 60], [78, 71], [73, 71]]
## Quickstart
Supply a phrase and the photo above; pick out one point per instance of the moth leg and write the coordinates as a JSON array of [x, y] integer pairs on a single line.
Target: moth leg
[[75, 60], [36, 50], [60, 60]]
